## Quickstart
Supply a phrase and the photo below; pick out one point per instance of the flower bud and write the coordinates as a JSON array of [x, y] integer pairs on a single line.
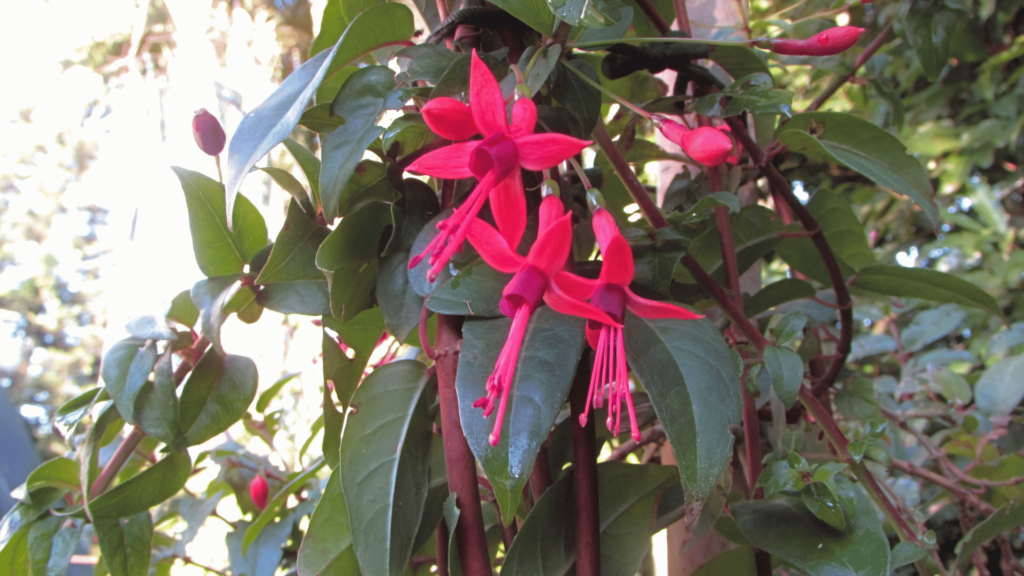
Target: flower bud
[[209, 135], [705, 145], [827, 43], [259, 491]]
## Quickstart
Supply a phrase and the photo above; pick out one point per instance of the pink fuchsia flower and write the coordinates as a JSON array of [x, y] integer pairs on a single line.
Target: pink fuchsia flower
[[827, 43], [208, 133], [258, 491], [705, 145], [537, 277], [610, 294], [495, 160]]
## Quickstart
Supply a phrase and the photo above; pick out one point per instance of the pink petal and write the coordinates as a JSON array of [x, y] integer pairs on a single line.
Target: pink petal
[[524, 117], [551, 249], [605, 227], [617, 265], [575, 286], [450, 162], [562, 302], [645, 308], [449, 119], [543, 151], [485, 99], [707, 146], [551, 209], [508, 206], [492, 247]]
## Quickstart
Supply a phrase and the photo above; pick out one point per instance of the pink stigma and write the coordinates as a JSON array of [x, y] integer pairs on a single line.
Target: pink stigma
[[500, 382]]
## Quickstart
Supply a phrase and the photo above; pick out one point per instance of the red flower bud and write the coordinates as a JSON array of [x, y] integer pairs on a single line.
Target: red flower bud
[[827, 43], [705, 145], [209, 135], [258, 491]]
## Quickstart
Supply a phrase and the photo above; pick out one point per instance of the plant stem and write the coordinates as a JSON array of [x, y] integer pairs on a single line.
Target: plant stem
[[584, 466], [682, 16], [621, 167], [441, 539], [661, 39], [469, 531], [653, 15], [868, 52]]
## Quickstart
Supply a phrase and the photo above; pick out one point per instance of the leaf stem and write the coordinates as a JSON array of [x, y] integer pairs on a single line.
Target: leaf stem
[[661, 39], [653, 15], [584, 466]]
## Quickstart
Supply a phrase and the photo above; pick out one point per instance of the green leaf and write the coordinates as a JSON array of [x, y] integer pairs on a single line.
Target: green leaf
[[787, 371], [546, 542], [736, 562], [424, 61], [533, 13], [309, 164], [309, 297], [385, 460], [332, 420], [294, 253], [149, 328], [292, 186], [580, 13], [336, 18], [451, 519], [144, 490], [1008, 517], [320, 119], [777, 293], [216, 395], [329, 535], [50, 546], [125, 369], [907, 553], [1000, 389], [926, 284], [406, 134], [474, 291], [101, 433], [929, 26], [296, 481], [546, 366], [361, 101], [261, 557], [787, 529], [220, 249], [268, 395], [739, 61], [360, 335], [15, 527], [399, 303], [864, 147], [369, 183], [823, 504], [579, 97], [124, 543], [156, 406], [755, 233], [349, 254], [183, 310], [752, 92], [380, 24], [212, 296], [621, 16], [930, 325], [692, 379], [844, 233], [60, 473]]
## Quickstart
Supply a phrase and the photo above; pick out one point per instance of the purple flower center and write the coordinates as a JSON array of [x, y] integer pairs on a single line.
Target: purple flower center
[[526, 289], [497, 152], [610, 299]]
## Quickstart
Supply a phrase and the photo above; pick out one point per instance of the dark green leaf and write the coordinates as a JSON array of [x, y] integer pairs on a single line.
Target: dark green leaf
[[309, 297], [823, 504], [925, 284], [406, 134], [580, 13], [50, 546], [360, 335], [385, 459], [320, 119], [294, 253], [1000, 388], [533, 13], [379, 25], [424, 61], [1006, 518], [862, 146], [336, 18], [929, 26], [59, 473], [451, 518], [333, 420], [621, 16], [736, 562], [212, 296], [156, 406], [125, 369], [349, 254], [296, 482], [787, 372], [329, 534], [777, 293], [474, 291], [125, 543], [292, 186], [546, 366], [755, 233], [842, 229], [143, 491], [693, 382], [739, 61], [309, 164], [369, 183], [573, 93], [220, 251], [216, 395], [183, 310]]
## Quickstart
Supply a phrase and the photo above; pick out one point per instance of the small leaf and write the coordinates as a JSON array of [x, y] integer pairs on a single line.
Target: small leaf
[[424, 61], [621, 17], [156, 406], [292, 186], [59, 473], [309, 164], [144, 490], [1008, 517], [124, 543], [50, 546], [360, 335], [293, 257], [907, 553], [579, 97], [125, 369], [149, 328], [451, 518], [824, 505], [586, 13], [787, 371], [329, 535], [755, 233], [212, 296], [930, 325], [308, 297], [267, 396], [777, 293], [349, 254], [533, 13], [925, 284], [1000, 388], [738, 61], [474, 291], [216, 395], [929, 28]]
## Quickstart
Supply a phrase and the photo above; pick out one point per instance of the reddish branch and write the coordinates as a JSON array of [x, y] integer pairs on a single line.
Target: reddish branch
[[682, 17], [584, 466], [868, 52], [653, 15], [652, 434]]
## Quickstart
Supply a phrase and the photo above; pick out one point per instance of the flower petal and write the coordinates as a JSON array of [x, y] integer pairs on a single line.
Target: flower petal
[[524, 117], [605, 227], [450, 162], [575, 286], [492, 247], [645, 308], [449, 119], [562, 302], [543, 151], [485, 99], [552, 246], [551, 209], [508, 206], [617, 265]]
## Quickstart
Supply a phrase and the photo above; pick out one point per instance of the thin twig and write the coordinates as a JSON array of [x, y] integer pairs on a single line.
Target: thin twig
[[653, 15], [652, 434]]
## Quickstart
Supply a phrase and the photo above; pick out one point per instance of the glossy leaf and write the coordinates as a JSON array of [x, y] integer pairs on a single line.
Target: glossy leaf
[[581, 12], [533, 13], [51, 545], [212, 296], [320, 119], [925, 284], [929, 28], [349, 254], [156, 406], [309, 164], [777, 293], [335, 20], [216, 395], [378, 25], [844, 233], [474, 291], [546, 542], [360, 335], [149, 328], [183, 310], [739, 61], [451, 518], [546, 366], [294, 253], [755, 233], [735, 562], [864, 147], [329, 535], [308, 297], [292, 186], [385, 459], [1008, 517], [424, 61], [107, 424], [692, 379], [787, 371], [125, 369], [1000, 388], [369, 183], [621, 17], [220, 249], [124, 543], [579, 97], [144, 490], [60, 473]]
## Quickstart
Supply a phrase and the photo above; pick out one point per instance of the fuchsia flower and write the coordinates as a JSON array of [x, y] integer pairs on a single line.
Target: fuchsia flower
[[495, 160], [827, 43], [705, 145], [537, 277], [610, 294]]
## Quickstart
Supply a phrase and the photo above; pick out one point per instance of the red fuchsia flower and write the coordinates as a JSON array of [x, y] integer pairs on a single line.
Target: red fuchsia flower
[[258, 491], [208, 133], [536, 278], [827, 43], [495, 160], [705, 145], [610, 294]]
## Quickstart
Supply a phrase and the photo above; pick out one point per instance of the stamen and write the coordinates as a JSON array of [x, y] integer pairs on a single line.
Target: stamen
[[500, 381], [453, 230]]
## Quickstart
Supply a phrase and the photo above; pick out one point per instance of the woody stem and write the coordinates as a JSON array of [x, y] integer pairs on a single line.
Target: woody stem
[[584, 465]]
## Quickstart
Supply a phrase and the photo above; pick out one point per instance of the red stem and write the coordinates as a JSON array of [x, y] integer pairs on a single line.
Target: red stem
[[682, 17], [584, 465], [441, 538], [469, 531], [653, 15]]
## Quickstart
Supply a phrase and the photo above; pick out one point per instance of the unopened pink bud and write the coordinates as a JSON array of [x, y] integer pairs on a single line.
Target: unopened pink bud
[[705, 145], [259, 491], [827, 43], [209, 135]]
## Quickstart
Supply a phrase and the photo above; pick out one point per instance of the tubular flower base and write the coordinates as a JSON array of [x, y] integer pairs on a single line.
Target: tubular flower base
[[827, 43], [705, 145], [537, 277], [495, 161], [610, 294]]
